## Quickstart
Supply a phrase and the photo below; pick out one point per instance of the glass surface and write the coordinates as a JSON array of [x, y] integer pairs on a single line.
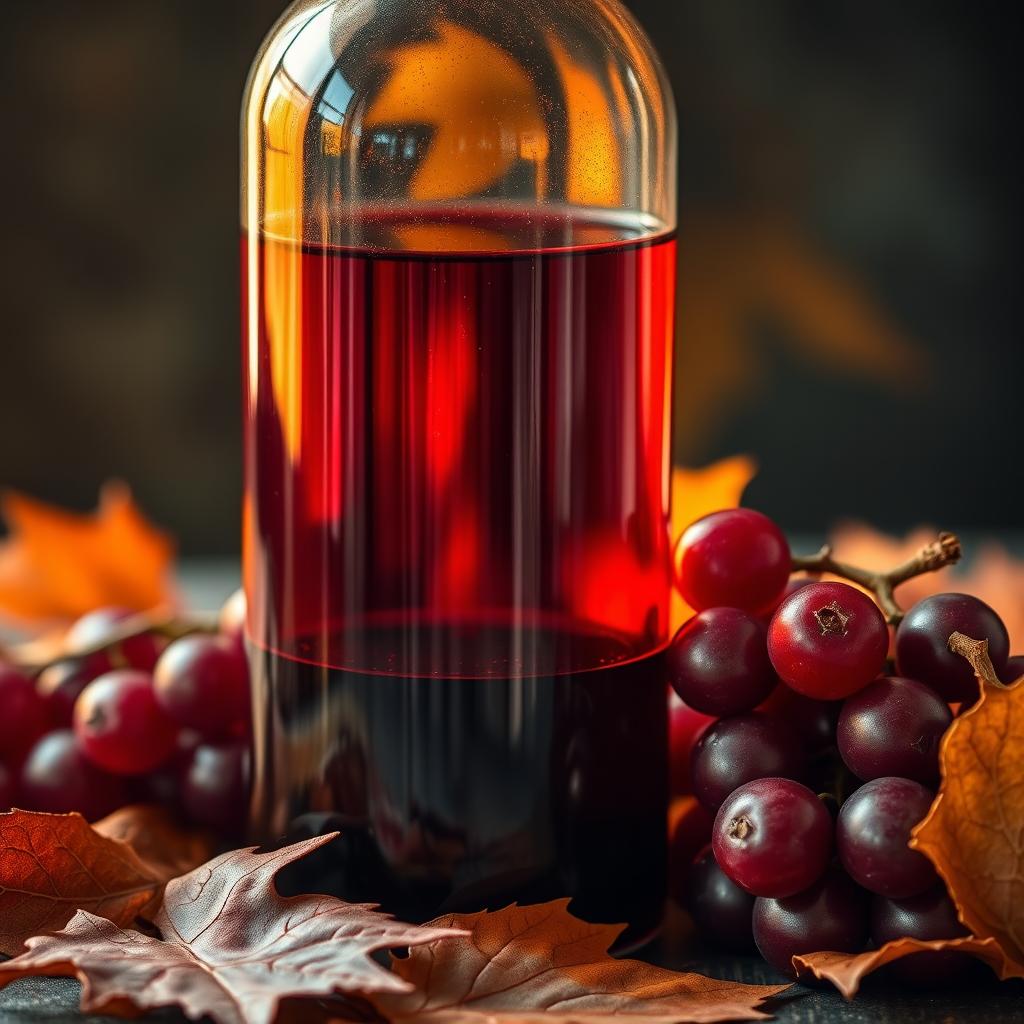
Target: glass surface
[[459, 256]]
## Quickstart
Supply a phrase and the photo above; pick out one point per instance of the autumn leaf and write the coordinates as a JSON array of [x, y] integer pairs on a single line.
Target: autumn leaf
[[848, 970], [232, 947], [540, 964], [52, 865], [58, 565], [975, 829], [157, 840]]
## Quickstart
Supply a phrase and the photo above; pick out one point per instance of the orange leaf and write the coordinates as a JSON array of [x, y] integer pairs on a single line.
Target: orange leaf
[[847, 970], [58, 565], [699, 492], [974, 831], [538, 965], [52, 865]]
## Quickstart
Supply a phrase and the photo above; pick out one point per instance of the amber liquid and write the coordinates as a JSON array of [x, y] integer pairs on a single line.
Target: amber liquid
[[457, 561]]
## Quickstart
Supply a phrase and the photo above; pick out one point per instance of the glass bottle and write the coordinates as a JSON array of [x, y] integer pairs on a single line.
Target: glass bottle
[[458, 258]]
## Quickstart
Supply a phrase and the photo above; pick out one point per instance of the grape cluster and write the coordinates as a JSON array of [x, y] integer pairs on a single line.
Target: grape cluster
[[141, 721], [810, 759]]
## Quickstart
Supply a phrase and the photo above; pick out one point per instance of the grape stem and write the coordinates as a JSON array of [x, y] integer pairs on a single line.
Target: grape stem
[[36, 655], [976, 652], [944, 551]]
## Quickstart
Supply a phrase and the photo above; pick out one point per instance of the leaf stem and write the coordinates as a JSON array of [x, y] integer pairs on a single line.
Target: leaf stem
[[944, 551]]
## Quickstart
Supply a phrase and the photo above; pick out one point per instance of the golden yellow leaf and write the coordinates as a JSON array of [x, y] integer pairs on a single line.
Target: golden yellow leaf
[[57, 565]]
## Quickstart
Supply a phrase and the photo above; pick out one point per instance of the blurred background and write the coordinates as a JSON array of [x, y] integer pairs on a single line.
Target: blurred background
[[848, 238]]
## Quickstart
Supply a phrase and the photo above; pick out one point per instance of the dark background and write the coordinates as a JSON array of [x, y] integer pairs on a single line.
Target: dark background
[[849, 306]]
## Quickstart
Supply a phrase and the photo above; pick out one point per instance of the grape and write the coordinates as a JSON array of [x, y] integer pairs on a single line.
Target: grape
[[894, 727], [691, 832], [873, 832], [922, 644], [795, 583], [737, 750], [61, 684], [215, 786], [832, 915], [96, 629], [718, 662], [57, 778], [828, 640], [685, 727], [733, 559], [931, 915], [1014, 669], [721, 909], [119, 725], [8, 788], [202, 682], [813, 720], [773, 837], [231, 621], [23, 715]]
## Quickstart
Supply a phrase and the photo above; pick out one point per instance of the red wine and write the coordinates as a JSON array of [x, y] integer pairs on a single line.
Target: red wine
[[456, 552]]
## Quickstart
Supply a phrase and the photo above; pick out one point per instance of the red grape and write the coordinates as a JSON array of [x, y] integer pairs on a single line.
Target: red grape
[[691, 832], [732, 559], [894, 727], [922, 644], [931, 915], [119, 725], [23, 715], [873, 833], [57, 778], [721, 909], [832, 915], [61, 684], [231, 621], [737, 750], [215, 786], [828, 640], [718, 662], [202, 682], [773, 837], [8, 788], [98, 627], [685, 727]]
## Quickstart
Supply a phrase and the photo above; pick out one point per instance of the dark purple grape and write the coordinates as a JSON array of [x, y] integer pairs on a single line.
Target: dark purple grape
[[928, 916], [58, 778], [718, 662], [814, 720], [922, 644], [1014, 669], [721, 909], [24, 717], [61, 684], [738, 750], [215, 786], [894, 727], [8, 788], [773, 837], [873, 834], [832, 915], [691, 832]]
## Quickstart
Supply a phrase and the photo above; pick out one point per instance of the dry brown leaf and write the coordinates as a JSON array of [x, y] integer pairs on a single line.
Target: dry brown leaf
[[52, 865], [538, 965], [58, 565], [847, 970], [156, 838], [232, 947], [974, 833]]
